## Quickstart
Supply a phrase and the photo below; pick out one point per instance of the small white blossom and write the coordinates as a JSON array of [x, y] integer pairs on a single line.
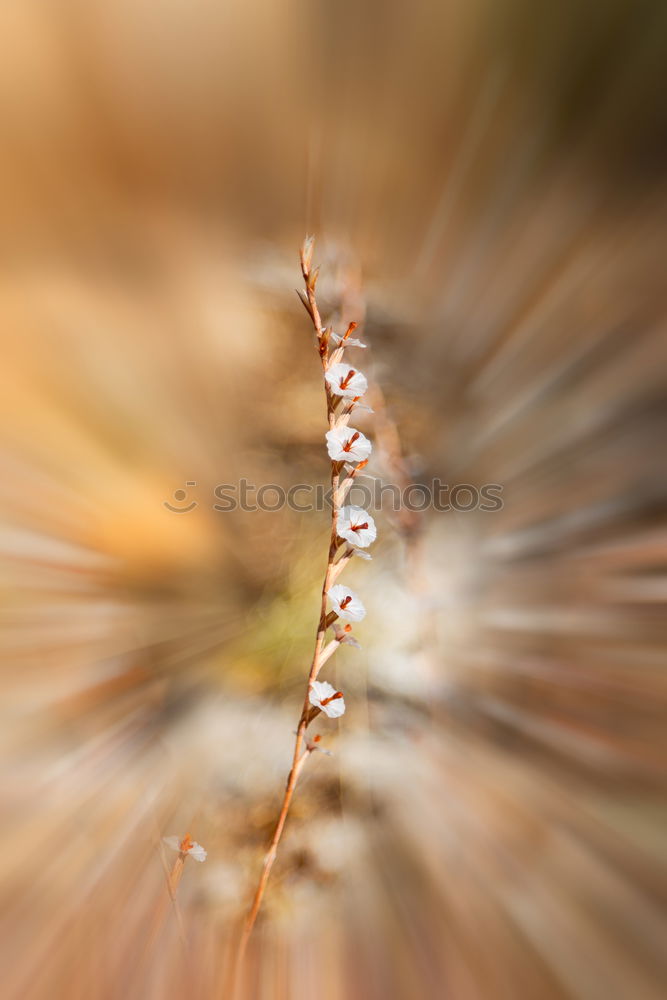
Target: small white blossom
[[342, 635], [186, 846], [345, 444], [343, 380], [314, 744], [345, 603], [356, 526], [348, 341], [322, 695]]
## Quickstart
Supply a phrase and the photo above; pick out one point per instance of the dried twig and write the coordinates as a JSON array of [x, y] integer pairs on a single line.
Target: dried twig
[[352, 530]]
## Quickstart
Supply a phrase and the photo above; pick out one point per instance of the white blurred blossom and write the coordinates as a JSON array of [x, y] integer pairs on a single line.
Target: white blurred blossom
[[345, 603], [346, 444], [343, 380], [356, 526], [186, 846], [325, 697]]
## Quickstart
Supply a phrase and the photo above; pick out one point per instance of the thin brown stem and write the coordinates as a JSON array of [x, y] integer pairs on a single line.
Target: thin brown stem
[[299, 758]]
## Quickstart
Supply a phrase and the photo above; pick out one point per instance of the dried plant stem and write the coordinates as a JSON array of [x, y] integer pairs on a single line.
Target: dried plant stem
[[319, 655], [173, 877]]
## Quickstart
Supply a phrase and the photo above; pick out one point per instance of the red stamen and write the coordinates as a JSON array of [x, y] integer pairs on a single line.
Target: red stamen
[[347, 628], [316, 739], [359, 527], [344, 604], [186, 844], [344, 382], [351, 328], [348, 444], [325, 701]]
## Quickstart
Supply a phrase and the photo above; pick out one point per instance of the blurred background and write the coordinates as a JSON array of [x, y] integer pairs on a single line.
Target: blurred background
[[485, 179]]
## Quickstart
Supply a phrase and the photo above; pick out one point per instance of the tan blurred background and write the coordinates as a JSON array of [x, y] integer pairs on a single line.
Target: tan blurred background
[[486, 182]]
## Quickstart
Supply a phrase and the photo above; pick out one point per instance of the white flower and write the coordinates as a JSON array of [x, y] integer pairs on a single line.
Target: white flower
[[345, 603], [186, 846], [356, 526], [345, 444], [343, 380], [323, 695]]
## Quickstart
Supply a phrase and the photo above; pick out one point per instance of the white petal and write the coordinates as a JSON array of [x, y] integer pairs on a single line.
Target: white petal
[[319, 690], [335, 443], [337, 592], [335, 708], [336, 434], [173, 842], [197, 852], [366, 536], [349, 341]]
